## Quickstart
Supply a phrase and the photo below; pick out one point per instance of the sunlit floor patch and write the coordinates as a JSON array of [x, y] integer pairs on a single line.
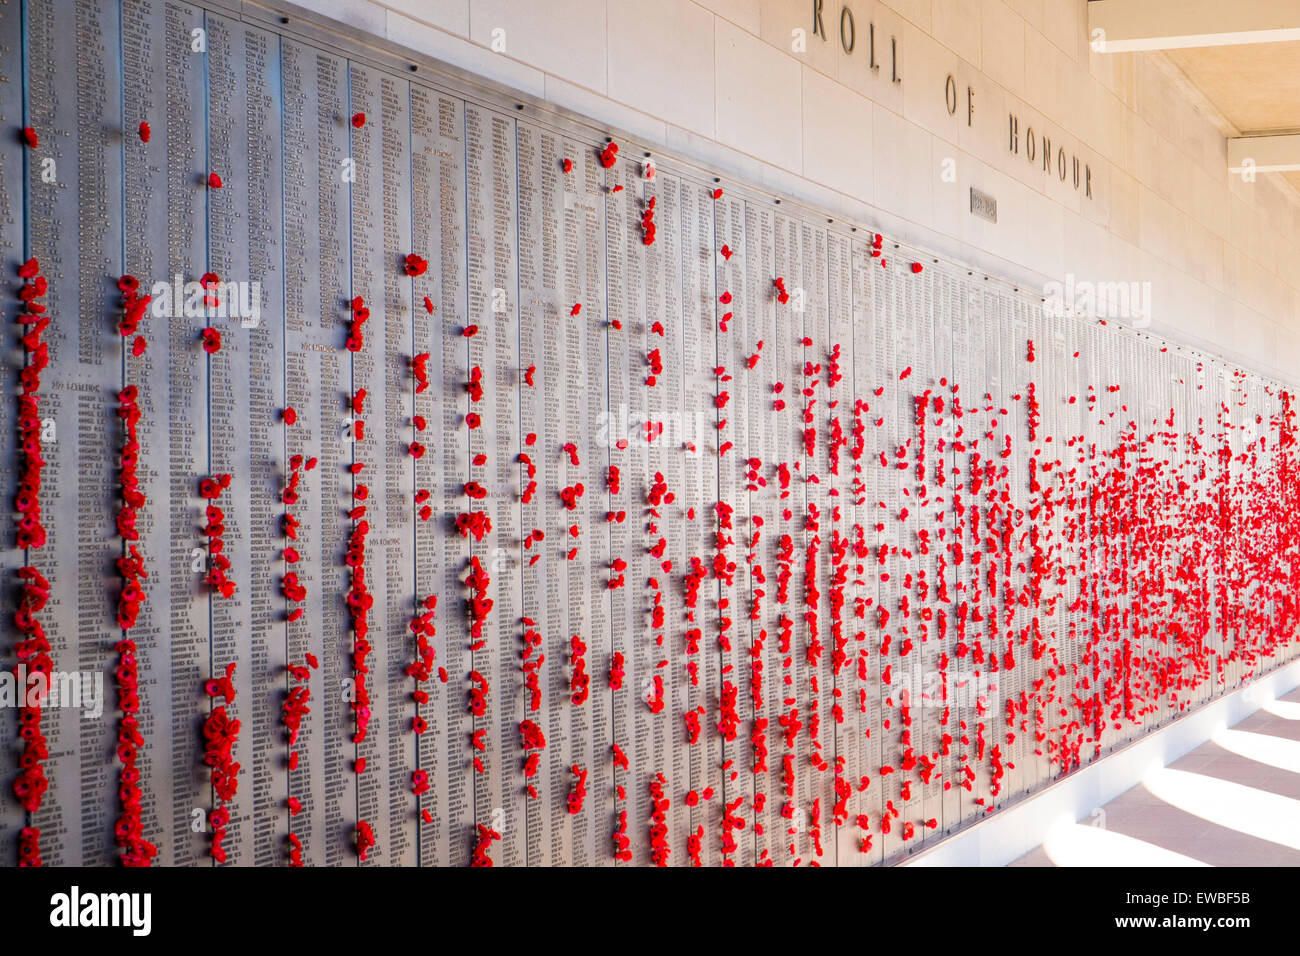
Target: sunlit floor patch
[[1256, 813], [1262, 748], [1076, 844], [1286, 709]]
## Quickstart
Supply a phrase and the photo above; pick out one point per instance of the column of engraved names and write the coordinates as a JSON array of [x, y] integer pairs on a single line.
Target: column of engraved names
[[146, 257], [841, 742], [187, 436], [12, 816], [540, 198], [370, 436], [234, 423], [577, 371], [74, 407], [306, 348], [594, 552], [674, 422], [760, 674], [333, 395], [819, 725], [698, 357], [449, 502], [491, 274], [394, 513], [728, 634], [870, 369], [793, 705], [629, 599], [435, 174], [264, 333], [505, 380], [97, 169]]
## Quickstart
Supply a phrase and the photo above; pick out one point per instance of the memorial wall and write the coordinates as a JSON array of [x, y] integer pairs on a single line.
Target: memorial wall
[[425, 479]]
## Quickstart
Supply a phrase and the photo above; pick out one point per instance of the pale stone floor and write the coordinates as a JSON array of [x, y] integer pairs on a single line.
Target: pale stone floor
[[1262, 796]]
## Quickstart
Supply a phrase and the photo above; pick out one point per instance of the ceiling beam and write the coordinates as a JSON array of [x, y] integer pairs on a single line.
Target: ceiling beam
[[1123, 26], [1264, 154]]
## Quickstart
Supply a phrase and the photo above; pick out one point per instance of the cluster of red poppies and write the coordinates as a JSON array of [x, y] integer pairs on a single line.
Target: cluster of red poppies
[[531, 736], [695, 846], [579, 681], [211, 340], [292, 712], [33, 652], [360, 315], [220, 734], [360, 601], [691, 722], [137, 850], [782, 295], [473, 523], [218, 564], [31, 532], [421, 669], [478, 603], [486, 837], [29, 847], [134, 306], [291, 586], [648, 223], [420, 370], [660, 804], [578, 793], [33, 648], [131, 567], [129, 831], [731, 822], [655, 699], [1034, 414], [365, 839], [532, 660], [622, 842]]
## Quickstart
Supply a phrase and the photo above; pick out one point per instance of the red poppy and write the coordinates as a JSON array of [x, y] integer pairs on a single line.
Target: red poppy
[[290, 416], [358, 120], [415, 265], [214, 181], [144, 132], [30, 137], [211, 340]]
